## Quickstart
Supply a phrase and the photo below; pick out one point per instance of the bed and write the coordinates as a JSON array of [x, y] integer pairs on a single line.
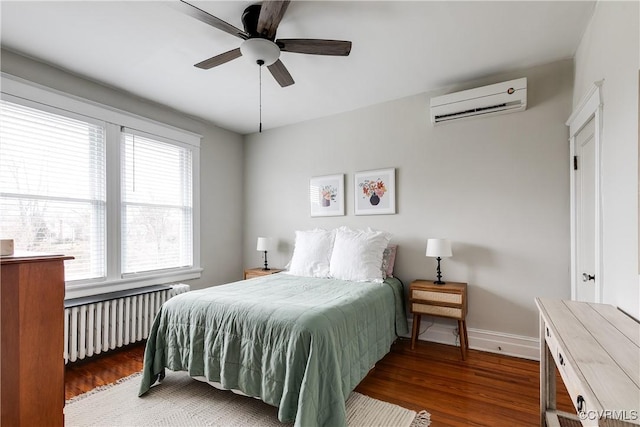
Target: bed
[[301, 344]]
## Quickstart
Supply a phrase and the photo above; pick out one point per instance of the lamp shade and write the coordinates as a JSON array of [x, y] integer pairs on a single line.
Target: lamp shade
[[439, 248], [264, 244]]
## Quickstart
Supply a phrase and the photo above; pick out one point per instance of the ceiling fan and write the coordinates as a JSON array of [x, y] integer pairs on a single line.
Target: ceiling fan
[[259, 44]]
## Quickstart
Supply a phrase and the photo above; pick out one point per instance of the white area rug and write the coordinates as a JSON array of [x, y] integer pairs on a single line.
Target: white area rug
[[182, 401]]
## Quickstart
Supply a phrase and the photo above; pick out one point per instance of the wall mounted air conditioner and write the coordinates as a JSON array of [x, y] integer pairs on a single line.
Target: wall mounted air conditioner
[[499, 98]]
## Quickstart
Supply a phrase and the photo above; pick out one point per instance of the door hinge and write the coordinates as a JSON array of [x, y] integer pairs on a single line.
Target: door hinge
[[575, 163]]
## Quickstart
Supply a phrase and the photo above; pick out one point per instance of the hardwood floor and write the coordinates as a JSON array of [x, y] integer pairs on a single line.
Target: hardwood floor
[[485, 390], [85, 375]]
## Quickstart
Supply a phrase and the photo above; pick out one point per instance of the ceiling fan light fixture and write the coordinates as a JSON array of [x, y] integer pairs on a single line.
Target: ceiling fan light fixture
[[258, 49]]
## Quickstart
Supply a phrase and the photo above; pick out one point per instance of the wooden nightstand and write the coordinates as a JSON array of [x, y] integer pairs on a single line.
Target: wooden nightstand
[[448, 300], [250, 273]]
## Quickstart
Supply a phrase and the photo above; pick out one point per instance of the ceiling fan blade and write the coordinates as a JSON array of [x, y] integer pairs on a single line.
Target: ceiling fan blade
[[271, 14], [281, 74], [219, 59], [208, 18], [315, 46]]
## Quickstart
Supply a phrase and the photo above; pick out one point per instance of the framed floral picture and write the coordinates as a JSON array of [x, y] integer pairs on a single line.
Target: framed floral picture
[[326, 195], [375, 192]]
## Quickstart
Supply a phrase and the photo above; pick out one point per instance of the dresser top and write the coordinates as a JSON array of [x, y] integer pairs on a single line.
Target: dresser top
[[21, 256], [602, 344]]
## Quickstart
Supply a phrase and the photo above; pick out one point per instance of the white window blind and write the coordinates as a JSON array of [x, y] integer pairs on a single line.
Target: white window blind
[[52, 186], [77, 179], [157, 204]]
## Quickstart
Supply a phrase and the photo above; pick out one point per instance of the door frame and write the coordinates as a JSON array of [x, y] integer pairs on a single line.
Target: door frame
[[589, 107]]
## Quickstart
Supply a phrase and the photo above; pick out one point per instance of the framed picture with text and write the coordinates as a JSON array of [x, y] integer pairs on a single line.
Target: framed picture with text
[[375, 192], [326, 195]]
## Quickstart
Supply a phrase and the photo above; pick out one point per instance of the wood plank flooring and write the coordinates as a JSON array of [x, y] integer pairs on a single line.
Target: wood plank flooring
[[485, 390], [87, 374]]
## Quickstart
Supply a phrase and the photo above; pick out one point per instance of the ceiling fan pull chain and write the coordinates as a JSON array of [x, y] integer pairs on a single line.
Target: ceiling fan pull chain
[[260, 64]]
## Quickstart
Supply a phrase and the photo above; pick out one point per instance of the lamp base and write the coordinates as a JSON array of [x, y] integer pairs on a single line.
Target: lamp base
[[438, 274], [265, 269]]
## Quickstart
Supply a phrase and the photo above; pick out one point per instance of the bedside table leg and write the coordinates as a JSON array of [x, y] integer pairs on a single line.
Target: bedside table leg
[[466, 334], [462, 334], [415, 330]]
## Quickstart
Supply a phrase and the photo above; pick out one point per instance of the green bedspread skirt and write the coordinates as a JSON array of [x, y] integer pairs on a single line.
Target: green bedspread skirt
[[301, 344]]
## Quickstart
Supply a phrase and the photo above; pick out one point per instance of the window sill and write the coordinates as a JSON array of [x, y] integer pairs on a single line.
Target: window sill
[[88, 289]]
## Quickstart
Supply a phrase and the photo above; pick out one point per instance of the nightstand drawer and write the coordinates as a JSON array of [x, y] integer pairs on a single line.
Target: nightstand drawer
[[251, 273], [436, 310], [436, 296]]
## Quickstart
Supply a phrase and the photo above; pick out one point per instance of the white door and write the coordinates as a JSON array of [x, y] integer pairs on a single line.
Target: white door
[[585, 202]]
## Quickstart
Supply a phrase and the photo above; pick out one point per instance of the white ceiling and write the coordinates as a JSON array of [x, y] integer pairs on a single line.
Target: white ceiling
[[399, 49]]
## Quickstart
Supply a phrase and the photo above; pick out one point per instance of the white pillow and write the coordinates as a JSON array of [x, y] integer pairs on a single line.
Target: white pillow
[[357, 255], [312, 253]]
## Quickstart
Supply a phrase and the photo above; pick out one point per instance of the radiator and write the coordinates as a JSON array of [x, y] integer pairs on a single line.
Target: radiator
[[100, 326]]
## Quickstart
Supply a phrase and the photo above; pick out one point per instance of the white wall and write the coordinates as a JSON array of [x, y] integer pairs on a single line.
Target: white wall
[[609, 50], [221, 157], [498, 187]]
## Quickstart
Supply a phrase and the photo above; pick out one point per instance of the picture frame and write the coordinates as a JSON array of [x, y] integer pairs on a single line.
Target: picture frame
[[326, 195], [375, 192]]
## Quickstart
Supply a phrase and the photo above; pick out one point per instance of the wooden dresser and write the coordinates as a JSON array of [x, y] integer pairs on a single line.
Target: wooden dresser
[[596, 349], [32, 340]]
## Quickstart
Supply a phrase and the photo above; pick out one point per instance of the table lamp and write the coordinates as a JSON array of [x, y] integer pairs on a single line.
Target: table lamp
[[264, 244], [438, 249]]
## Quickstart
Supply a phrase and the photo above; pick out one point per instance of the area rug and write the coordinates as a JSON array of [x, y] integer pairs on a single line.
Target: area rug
[[182, 401]]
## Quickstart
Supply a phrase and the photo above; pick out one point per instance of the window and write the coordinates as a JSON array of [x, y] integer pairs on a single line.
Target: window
[[116, 191], [52, 186], [156, 205]]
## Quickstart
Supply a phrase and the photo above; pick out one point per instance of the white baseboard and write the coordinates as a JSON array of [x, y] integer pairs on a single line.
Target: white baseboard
[[479, 339]]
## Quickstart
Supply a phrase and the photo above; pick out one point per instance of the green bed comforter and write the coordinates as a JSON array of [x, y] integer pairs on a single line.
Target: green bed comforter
[[301, 344]]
